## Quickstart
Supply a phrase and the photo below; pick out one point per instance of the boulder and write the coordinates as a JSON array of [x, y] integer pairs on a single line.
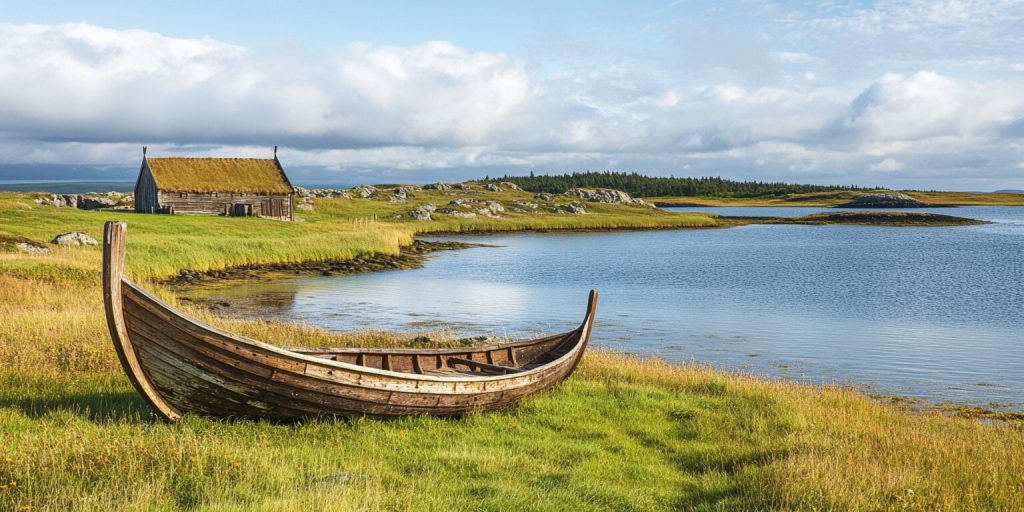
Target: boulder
[[574, 208], [525, 204], [438, 186], [461, 186], [509, 185], [31, 248], [605, 195], [884, 200], [457, 213], [58, 200], [492, 187], [495, 207], [464, 203], [423, 212], [365, 191], [542, 196], [95, 203], [74, 238]]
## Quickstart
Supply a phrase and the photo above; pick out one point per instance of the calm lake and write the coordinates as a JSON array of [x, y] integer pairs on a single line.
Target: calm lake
[[931, 313]]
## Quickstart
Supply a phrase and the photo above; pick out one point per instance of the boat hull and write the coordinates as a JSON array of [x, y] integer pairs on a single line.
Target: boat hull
[[181, 365]]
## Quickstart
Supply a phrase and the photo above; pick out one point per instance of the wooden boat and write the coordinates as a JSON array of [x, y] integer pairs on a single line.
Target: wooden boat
[[181, 365]]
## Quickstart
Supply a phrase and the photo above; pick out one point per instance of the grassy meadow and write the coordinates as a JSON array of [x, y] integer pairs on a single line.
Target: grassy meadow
[[621, 434]]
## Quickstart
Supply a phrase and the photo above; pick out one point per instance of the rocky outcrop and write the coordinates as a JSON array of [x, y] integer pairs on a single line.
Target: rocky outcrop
[[59, 200], [365, 191], [462, 186], [605, 195], [492, 187], [495, 207], [95, 203], [573, 208], [31, 248], [74, 238], [457, 213], [438, 186], [541, 196], [321, 193], [884, 200], [509, 185], [423, 212]]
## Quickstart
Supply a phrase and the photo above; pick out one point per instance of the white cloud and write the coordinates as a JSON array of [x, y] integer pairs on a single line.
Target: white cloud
[[887, 165], [78, 93], [929, 105]]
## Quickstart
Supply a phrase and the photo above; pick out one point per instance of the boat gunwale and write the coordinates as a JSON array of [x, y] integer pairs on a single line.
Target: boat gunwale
[[583, 333]]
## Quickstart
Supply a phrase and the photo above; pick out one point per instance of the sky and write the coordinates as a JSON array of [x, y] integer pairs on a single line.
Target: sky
[[908, 94]]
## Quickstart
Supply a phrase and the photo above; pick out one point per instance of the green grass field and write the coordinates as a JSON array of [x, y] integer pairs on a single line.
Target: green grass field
[[621, 434]]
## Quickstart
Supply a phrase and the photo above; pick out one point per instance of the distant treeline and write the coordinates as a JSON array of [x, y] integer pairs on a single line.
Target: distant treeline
[[650, 186]]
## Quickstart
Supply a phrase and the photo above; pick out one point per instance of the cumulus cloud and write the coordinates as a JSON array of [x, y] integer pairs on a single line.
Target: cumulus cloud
[[83, 82], [80, 93], [887, 165]]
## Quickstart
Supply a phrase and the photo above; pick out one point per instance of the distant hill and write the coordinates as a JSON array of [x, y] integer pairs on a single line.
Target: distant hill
[[651, 186], [1010, 191]]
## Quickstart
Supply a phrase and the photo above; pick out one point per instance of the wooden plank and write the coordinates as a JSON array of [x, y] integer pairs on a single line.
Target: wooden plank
[[485, 366], [114, 236]]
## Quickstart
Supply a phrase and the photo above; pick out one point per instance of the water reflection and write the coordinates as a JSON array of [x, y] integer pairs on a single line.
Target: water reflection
[[927, 312]]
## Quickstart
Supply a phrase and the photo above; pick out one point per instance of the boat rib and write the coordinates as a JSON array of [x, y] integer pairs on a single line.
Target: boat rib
[[181, 365]]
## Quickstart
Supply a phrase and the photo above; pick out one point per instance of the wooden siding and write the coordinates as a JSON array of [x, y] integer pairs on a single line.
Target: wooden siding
[[224, 203], [146, 200]]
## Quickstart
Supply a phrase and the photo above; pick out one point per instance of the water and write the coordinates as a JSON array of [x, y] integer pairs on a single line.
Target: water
[[931, 313]]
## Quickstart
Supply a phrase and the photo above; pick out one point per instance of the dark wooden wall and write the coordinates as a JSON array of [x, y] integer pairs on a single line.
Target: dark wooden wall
[[223, 203], [146, 200]]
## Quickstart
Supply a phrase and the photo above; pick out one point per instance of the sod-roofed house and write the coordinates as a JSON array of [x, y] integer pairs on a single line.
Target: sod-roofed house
[[218, 186]]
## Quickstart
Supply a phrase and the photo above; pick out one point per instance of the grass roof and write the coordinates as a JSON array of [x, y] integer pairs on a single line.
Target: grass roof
[[250, 175]]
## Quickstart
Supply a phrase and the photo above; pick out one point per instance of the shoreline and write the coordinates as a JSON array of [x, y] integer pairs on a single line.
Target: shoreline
[[418, 253]]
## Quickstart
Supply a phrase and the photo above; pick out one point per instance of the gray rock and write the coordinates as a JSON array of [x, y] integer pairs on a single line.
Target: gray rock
[[423, 212], [495, 207], [525, 204], [605, 195], [438, 186], [463, 203], [74, 238], [461, 186], [509, 185], [31, 248], [884, 200], [492, 187], [542, 196], [365, 191], [328, 193], [399, 196], [95, 203], [457, 213], [575, 208]]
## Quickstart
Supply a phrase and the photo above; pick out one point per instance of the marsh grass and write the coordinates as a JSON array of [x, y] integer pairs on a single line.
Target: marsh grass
[[622, 434]]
